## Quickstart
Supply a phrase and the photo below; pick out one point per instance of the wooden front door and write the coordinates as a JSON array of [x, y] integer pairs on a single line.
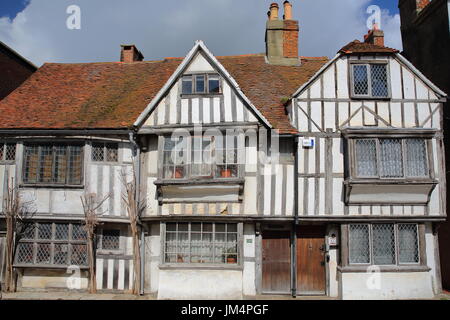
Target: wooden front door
[[311, 260], [276, 262]]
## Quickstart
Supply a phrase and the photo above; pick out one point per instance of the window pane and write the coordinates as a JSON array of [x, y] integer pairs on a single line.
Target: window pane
[[200, 84], [383, 244], [2, 147], [45, 231], [61, 254], [391, 159], [98, 152], [75, 165], [359, 248], [43, 253], [213, 84], [366, 158], [416, 158], [45, 164], [360, 85], [10, 152], [111, 240], [408, 243], [201, 156], [31, 164], [60, 169], [24, 253], [112, 152], [78, 255], [78, 232], [187, 85], [379, 80], [61, 231]]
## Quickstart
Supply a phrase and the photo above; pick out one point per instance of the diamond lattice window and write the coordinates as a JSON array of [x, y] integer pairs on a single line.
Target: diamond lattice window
[[110, 240], [105, 152], [391, 158], [7, 151], [383, 244], [57, 244], [370, 80]]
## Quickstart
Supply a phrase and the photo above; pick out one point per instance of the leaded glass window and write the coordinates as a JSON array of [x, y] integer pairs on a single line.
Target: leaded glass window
[[59, 164], [391, 158], [384, 244], [52, 244], [201, 243], [110, 239], [105, 152], [7, 151], [370, 80]]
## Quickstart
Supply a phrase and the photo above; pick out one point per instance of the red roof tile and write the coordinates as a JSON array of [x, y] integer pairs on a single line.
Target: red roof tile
[[113, 95], [356, 46]]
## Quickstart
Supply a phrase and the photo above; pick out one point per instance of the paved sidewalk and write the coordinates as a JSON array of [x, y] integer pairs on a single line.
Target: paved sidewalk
[[56, 295]]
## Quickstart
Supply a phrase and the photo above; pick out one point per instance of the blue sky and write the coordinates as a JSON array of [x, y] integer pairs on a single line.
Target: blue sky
[[37, 28]]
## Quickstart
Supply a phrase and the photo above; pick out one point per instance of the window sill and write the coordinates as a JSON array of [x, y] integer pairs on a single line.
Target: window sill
[[196, 266], [388, 191], [52, 186], [47, 266], [370, 98], [199, 181], [401, 268]]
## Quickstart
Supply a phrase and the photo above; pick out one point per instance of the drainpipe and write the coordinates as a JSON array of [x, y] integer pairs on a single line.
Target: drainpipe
[[294, 226], [137, 168]]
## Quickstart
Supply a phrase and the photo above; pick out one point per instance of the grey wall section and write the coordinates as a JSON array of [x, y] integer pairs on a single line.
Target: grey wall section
[[2, 257]]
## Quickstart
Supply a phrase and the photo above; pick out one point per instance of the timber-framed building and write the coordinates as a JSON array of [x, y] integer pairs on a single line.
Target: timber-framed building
[[261, 174]]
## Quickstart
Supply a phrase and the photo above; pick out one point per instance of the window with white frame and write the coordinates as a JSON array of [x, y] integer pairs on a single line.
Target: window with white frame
[[201, 243], [201, 157], [7, 151], [201, 84], [370, 80], [105, 152], [53, 244], [391, 158], [384, 244], [58, 164]]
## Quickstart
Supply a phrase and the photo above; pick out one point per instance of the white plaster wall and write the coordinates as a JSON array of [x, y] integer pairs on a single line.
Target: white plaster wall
[[333, 281], [249, 253], [430, 247], [393, 285], [45, 279], [200, 284]]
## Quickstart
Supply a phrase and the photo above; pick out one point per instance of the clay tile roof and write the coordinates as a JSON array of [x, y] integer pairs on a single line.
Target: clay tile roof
[[356, 47], [113, 95]]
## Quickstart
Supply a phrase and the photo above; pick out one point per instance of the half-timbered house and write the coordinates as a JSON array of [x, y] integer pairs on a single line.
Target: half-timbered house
[[261, 174]]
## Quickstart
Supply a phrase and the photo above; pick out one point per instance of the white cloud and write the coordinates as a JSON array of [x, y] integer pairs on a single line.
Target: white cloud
[[170, 27]]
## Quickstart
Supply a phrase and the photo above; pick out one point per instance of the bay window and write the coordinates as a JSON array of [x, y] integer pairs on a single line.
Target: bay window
[[205, 157], [391, 158]]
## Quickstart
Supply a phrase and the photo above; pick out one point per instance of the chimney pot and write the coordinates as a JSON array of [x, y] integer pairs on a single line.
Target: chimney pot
[[287, 10], [129, 53], [375, 36], [274, 11]]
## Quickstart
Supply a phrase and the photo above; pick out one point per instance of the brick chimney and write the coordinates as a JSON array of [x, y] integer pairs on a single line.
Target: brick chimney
[[375, 36], [282, 37], [129, 53]]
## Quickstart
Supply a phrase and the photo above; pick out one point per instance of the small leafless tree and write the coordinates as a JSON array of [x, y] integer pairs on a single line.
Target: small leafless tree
[[92, 212], [16, 212], [134, 209]]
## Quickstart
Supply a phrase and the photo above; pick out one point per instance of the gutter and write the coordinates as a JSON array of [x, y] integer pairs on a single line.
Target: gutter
[[137, 172]]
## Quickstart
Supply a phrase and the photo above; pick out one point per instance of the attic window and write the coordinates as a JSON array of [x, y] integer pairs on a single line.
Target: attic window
[[370, 80], [201, 84]]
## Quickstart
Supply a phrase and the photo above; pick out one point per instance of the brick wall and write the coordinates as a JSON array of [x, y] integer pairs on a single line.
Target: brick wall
[[290, 39], [13, 72]]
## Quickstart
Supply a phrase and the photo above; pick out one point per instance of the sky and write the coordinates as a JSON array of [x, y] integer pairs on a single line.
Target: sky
[[38, 29]]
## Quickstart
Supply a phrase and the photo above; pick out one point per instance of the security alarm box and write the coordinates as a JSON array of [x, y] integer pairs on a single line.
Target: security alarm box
[[308, 142]]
